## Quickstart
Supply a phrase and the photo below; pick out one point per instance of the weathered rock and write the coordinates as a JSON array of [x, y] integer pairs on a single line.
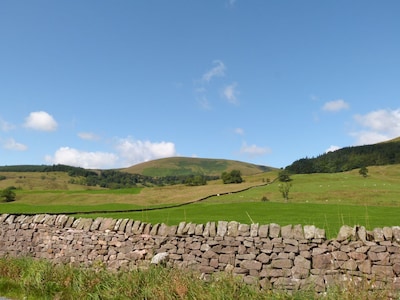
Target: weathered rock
[[309, 232], [287, 232], [282, 264], [254, 229], [349, 265], [365, 267], [199, 229], [387, 233], [222, 228], [346, 232], [212, 229], [382, 272], [274, 230], [233, 228], [340, 255], [181, 227], [378, 235], [361, 233], [251, 265], [302, 262], [244, 230], [263, 231], [322, 261], [396, 233], [298, 232], [159, 258]]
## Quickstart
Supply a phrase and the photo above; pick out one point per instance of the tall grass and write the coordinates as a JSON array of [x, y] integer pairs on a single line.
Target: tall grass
[[25, 278]]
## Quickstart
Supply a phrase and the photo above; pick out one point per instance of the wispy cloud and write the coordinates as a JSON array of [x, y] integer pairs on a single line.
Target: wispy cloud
[[204, 103], [254, 150], [88, 136], [230, 93], [40, 120], [239, 131], [230, 3], [217, 71], [11, 144], [335, 106], [5, 126], [377, 126]]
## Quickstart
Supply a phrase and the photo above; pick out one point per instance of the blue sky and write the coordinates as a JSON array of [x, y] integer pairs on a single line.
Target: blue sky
[[109, 84]]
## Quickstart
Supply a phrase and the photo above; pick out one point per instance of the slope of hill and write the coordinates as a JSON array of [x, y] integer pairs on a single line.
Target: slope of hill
[[181, 166], [349, 158]]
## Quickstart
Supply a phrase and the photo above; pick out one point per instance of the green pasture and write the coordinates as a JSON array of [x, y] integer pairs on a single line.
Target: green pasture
[[23, 208], [130, 191], [327, 216], [325, 200]]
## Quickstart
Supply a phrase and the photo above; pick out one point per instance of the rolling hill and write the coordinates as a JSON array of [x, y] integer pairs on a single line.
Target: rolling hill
[[181, 166], [350, 158]]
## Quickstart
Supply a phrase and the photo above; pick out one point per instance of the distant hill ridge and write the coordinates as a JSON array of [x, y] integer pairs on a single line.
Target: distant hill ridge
[[172, 166], [349, 158], [181, 166]]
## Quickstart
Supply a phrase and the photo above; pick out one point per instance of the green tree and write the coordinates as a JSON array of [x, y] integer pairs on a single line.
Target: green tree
[[234, 176], [196, 180], [363, 171], [284, 188], [284, 176], [8, 194]]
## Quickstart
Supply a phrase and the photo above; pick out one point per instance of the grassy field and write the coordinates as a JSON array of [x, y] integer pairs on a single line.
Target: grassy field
[[328, 216], [325, 200]]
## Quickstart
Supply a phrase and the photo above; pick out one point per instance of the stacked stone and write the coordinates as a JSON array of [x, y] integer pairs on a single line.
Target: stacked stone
[[274, 256]]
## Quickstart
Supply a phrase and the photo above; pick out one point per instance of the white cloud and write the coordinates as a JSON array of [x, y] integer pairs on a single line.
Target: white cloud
[[381, 120], [88, 136], [218, 70], [11, 144], [254, 150], [332, 148], [377, 126], [336, 105], [78, 158], [369, 137], [135, 151], [40, 120], [230, 93], [128, 152]]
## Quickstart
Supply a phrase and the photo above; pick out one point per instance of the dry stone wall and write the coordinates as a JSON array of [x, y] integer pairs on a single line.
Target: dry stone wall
[[273, 256]]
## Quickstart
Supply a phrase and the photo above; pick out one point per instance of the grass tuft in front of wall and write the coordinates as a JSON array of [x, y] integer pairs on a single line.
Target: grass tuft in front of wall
[[26, 278]]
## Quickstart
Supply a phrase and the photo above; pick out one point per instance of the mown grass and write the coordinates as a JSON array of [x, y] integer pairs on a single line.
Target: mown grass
[[25, 278]]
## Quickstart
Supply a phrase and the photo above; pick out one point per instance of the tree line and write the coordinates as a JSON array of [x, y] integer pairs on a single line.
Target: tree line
[[348, 158], [112, 179]]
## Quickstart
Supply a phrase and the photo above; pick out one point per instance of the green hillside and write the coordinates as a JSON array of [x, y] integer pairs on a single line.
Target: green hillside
[[350, 158], [181, 166]]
